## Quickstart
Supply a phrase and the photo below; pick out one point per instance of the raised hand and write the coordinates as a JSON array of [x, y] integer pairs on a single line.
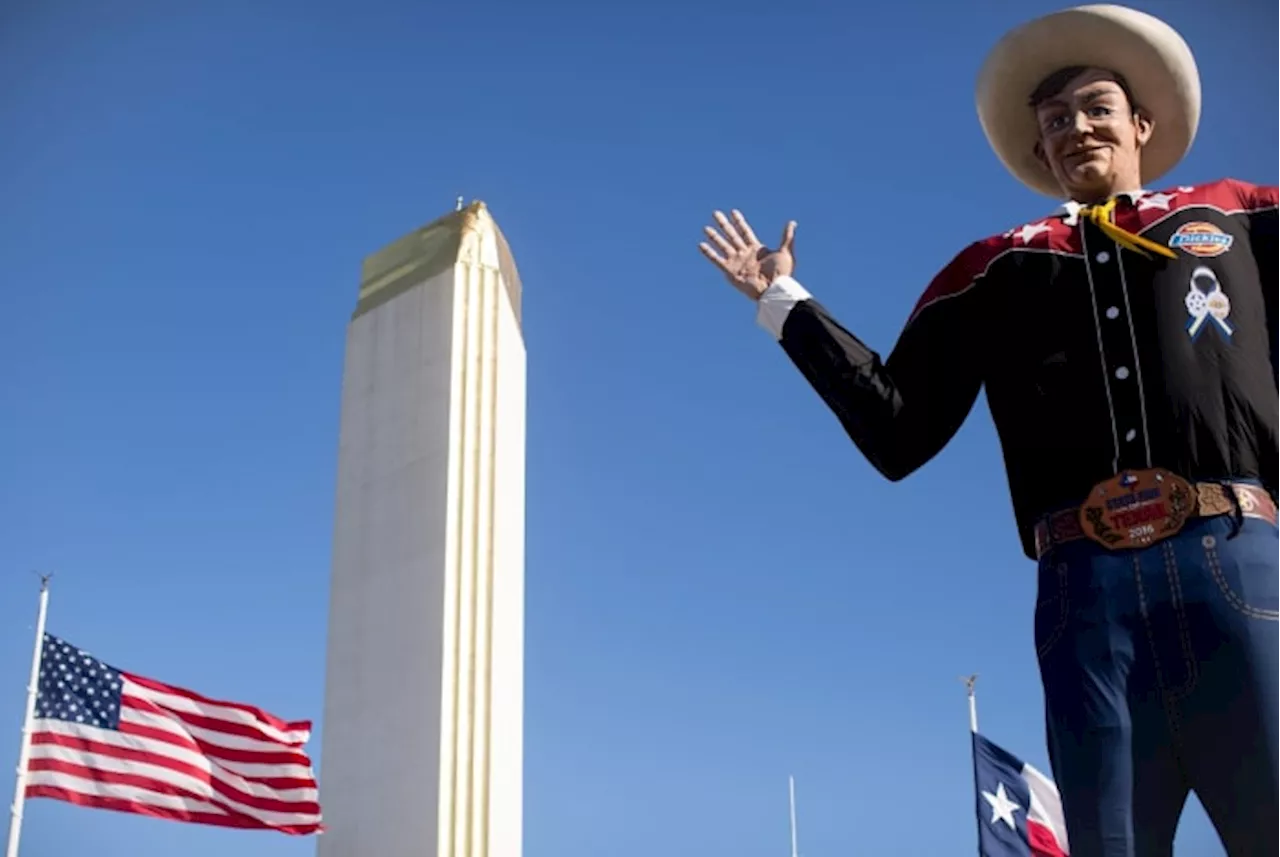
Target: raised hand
[[747, 264]]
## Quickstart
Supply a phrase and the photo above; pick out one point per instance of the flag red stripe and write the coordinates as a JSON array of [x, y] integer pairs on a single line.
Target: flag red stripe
[[201, 721], [51, 764], [265, 717], [137, 808], [213, 751], [125, 754], [160, 787], [1042, 841]]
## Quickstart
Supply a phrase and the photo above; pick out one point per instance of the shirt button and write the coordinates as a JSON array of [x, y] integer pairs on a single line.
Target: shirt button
[[1113, 312], [1130, 434], [1104, 257], [1122, 372]]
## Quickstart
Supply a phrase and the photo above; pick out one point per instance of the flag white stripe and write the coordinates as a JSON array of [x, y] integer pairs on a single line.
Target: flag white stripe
[[198, 733], [134, 794], [162, 749], [1046, 804], [225, 713], [185, 782], [248, 770]]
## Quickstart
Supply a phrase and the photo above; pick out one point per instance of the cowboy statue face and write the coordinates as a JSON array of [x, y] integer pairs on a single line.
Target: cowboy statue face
[[1090, 102], [1092, 132]]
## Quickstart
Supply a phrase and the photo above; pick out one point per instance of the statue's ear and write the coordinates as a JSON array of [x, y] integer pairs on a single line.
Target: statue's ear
[[1038, 150], [1144, 125]]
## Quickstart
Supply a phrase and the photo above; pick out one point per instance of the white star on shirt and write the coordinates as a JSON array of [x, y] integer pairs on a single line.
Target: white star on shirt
[[1186, 189], [1030, 231], [1002, 809], [1156, 200]]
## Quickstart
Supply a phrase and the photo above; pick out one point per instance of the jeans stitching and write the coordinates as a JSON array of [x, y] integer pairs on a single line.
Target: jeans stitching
[[1175, 587], [1170, 711], [1061, 625], [1215, 567]]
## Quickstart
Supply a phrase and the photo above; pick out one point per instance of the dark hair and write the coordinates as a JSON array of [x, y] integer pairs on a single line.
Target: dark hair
[[1053, 85]]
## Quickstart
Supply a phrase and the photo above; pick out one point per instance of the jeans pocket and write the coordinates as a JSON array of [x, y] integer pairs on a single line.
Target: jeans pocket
[[1245, 569], [1052, 606]]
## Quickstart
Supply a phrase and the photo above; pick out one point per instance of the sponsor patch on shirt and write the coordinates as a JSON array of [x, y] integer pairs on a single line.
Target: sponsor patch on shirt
[[1201, 239]]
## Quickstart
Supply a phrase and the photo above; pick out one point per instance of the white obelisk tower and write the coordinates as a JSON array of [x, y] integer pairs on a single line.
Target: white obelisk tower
[[422, 731]]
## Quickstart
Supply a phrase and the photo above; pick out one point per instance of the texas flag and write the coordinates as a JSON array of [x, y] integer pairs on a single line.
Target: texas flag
[[1019, 811]]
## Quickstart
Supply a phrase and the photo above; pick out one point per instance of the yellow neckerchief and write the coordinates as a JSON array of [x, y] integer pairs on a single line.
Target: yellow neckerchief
[[1102, 215]]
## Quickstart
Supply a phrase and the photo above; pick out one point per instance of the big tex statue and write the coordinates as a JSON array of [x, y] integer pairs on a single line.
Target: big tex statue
[[1127, 343]]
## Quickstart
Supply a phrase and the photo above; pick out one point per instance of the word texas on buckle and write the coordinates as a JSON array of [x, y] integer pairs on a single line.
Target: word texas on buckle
[[1135, 508]]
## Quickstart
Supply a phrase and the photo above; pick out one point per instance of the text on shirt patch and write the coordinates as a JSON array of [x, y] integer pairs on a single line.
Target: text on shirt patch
[[1201, 239], [1205, 300]]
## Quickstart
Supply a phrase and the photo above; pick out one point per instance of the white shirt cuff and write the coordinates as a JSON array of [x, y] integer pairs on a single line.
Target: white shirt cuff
[[776, 302]]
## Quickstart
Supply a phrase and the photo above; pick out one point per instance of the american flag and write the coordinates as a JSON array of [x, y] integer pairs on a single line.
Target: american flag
[[110, 739]]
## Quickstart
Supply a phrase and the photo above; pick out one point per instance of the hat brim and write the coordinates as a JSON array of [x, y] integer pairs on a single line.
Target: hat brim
[[1154, 60]]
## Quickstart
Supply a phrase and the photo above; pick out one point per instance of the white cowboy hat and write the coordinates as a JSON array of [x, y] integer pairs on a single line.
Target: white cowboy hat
[[1152, 57]]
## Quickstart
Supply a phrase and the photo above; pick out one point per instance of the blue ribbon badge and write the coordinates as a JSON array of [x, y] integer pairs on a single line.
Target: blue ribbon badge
[[1205, 300]]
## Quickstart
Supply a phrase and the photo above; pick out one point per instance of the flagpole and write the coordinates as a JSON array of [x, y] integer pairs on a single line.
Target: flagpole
[[791, 786], [969, 682], [24, 751]]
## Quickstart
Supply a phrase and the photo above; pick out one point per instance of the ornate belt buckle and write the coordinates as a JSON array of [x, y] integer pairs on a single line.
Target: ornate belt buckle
[[1136, 508]]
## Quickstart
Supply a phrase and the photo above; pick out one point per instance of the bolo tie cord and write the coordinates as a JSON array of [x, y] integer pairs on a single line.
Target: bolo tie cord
[[1102, 216]]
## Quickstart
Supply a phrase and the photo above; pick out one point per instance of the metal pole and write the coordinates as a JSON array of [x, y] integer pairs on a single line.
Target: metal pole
[[24, 751], [969, 682], [791, 785]]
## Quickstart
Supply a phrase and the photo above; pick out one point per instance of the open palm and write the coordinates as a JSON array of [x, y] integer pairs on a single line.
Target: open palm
[[745, 262]]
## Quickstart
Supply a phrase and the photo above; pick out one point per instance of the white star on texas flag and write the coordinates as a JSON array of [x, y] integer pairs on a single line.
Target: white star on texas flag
[[1002, 809]]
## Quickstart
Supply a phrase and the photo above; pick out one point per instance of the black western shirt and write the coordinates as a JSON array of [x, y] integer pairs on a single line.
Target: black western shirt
[[1095, 358]]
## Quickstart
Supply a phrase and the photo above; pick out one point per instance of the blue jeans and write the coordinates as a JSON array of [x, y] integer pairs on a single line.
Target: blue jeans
[[1160, 678]]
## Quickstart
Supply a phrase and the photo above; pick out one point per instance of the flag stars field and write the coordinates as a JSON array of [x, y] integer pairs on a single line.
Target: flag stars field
[[73, 686]]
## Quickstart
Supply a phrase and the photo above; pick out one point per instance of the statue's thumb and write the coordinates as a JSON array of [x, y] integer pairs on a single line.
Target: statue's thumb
[[789, 237]]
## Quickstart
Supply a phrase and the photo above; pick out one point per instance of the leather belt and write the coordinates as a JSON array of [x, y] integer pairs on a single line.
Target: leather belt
[[1208, 500]]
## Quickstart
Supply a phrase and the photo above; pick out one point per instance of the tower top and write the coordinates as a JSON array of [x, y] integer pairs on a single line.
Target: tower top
[[432, 249]]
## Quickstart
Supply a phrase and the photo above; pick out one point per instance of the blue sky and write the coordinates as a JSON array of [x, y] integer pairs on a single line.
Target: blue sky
[[721, 592]]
